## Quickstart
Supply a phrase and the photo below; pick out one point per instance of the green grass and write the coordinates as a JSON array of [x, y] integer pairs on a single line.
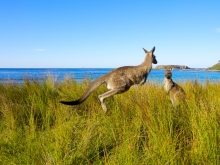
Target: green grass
[[140, 127]]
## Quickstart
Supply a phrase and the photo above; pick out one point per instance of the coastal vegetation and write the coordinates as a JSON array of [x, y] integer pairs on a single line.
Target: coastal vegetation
[[141, 127], [215, 67], [172, 66]]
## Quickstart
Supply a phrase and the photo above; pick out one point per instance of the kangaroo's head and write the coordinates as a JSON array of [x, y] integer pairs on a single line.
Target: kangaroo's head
[[151, 55], [168, 73]]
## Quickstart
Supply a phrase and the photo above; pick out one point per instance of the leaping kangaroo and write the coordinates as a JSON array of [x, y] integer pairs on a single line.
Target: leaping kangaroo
[[119, 80]]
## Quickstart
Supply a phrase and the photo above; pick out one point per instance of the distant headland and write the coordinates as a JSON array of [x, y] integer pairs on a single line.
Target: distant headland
[[215, 67], [172, 66]]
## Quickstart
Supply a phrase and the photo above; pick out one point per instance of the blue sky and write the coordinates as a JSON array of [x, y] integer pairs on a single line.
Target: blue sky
[[108, 33]]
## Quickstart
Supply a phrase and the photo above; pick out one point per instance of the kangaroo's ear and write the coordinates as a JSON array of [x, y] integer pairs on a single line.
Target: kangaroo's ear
[[145, 50], [171, 69], [153, 49]]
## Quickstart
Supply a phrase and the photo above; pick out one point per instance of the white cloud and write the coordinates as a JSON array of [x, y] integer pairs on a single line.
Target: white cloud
[[218, 30], [40, 50]]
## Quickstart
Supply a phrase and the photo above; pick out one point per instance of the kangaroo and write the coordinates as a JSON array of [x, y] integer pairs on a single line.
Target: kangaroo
[[175, 92], [119, 80]]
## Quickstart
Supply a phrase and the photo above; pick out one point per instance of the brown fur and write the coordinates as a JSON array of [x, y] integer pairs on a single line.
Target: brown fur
[[119, 80], [175, 92]]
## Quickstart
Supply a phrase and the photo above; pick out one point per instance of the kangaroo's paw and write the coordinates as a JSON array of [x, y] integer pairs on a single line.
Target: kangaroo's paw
[[104, 107]]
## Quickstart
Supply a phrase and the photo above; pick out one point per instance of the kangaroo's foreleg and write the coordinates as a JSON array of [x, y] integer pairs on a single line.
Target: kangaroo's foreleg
[[145, 79], [108, 94]]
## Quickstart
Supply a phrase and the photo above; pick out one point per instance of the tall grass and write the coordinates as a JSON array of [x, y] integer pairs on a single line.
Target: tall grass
[[141, 127]]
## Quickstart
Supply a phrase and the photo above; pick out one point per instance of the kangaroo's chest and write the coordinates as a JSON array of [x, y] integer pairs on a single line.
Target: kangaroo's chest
[[167, 84]]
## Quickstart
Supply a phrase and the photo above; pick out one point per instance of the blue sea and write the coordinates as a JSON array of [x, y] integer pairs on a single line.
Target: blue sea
[[17, 75]]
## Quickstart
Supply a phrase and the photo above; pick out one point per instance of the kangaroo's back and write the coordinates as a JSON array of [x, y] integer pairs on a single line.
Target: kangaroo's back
[[177, 92]]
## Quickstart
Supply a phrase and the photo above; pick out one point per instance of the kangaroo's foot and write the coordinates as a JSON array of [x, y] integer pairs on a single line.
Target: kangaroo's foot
[[101, 99], [104, 107], [102, 104]]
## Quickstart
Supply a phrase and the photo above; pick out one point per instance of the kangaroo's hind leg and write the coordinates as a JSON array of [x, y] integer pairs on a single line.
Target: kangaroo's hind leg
[[108, 94]]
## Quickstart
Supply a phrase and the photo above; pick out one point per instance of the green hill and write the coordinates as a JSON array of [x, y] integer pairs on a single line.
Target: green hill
[[214, 67]]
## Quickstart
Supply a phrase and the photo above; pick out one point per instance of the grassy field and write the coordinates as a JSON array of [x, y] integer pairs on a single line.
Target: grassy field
[[141, 127]]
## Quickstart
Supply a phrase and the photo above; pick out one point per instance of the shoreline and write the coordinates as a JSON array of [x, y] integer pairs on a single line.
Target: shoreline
[[212, 70]]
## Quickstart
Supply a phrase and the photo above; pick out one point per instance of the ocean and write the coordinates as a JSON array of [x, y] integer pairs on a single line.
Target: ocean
[[17, 75]]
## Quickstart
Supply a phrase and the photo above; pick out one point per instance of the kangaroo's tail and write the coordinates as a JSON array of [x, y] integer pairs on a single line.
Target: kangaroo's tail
[[95, 84]]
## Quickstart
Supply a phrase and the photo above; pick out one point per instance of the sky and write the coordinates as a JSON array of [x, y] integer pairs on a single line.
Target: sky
[[108, 33]]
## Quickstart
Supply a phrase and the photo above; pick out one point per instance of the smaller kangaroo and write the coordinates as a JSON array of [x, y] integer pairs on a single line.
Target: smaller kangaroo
[[119, 80], [175, 92]]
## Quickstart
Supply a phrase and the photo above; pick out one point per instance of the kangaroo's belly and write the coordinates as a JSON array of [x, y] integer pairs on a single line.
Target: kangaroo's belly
[[119, 82], [136, 79]]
